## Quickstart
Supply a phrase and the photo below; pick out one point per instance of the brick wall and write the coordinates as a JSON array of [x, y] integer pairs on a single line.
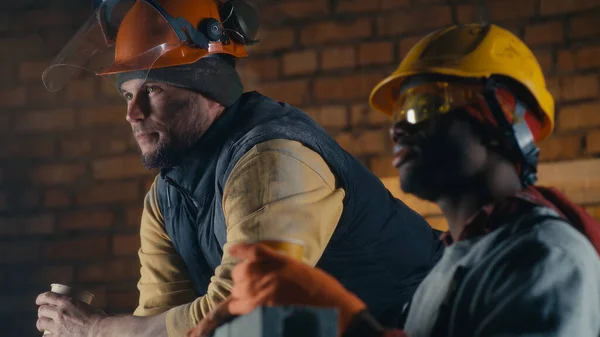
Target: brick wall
[[71, 184]]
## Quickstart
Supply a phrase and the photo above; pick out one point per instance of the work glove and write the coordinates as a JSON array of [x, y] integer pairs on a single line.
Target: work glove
[[264, 277]]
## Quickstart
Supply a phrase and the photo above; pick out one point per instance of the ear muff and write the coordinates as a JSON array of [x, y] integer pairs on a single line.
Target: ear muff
[[212, 28], [240, 21]]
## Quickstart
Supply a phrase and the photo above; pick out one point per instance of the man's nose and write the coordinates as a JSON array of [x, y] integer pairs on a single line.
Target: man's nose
[[135, 112]]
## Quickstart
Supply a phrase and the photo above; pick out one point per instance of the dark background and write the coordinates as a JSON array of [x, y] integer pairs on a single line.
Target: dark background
[[71, 184]]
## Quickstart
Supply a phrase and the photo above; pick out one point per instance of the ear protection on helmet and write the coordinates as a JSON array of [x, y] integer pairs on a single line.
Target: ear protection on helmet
[[240, 21]]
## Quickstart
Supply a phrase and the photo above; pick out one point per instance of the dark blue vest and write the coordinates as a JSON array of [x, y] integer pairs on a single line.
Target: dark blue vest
[[380, 250]]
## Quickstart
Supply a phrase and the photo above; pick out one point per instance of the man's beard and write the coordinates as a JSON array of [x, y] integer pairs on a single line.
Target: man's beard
[[161, 158], [166, 155]]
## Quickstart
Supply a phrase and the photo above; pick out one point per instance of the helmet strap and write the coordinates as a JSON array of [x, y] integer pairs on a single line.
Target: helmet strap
[[517, 135]]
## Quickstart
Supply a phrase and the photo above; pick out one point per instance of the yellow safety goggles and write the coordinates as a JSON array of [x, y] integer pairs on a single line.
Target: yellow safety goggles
[[429, 100]]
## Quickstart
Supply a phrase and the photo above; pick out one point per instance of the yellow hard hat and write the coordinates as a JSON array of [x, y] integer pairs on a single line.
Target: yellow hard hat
[[470, 51]]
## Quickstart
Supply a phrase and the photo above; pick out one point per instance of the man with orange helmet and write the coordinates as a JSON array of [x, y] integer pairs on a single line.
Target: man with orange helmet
[[468, 104], [235, 167]]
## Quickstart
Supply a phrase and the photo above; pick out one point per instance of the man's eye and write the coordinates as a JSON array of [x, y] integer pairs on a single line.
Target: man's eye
[[128, 96], [152, 89]]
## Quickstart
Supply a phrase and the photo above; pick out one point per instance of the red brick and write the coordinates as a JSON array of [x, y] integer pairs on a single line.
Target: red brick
[[112, 146], [391, 4], [53, 274], [53, 174], [260, 69], [13, 97], [40, 275], [465, 14], [407, 43], [550, 7], [346, 141], [544, 58], [338, 57], [32, 71], [330, 31], [134, 216], [362, 115], [544, 33], [560, 148], [276, 39], [20, 302], [122, 299], [406, 21], [578, 87], [349, 87], [36, 19], [37, 94], [303, 62], [28, 198], [86, 220], [566, 60], [22, 47], [510, 9], [381, 166], [91, 272], [47, 120], [81, 90], [293, 92], [27, 148], [358, 6], [5, 122], [118, 167], [109, 115], [375, 53], [123, 269], [281, 11], [593, 142], [124, 245], [75, 148], [21, 251], [372, 142], [56, 198], [108, 193], [148, 181], [585, 26], [32, 224], [587, 57], [580, 116], [108, 88], [333, 116], [76, 249], [55, 40]]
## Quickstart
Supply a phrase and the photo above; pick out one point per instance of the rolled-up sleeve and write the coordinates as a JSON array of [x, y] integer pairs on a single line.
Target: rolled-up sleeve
[[279, 189]]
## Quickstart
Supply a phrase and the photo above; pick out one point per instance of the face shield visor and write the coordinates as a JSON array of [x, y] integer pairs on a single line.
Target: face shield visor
[[126, 36]]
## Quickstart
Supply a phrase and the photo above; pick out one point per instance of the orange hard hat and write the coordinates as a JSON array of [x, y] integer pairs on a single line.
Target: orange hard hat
[[135, 50], [137, 35]]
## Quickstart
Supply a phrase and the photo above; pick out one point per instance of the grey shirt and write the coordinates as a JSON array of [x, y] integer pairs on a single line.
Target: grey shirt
[[537, 276]]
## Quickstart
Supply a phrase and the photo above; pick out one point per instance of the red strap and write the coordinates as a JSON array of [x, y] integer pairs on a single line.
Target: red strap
[[576, 215]]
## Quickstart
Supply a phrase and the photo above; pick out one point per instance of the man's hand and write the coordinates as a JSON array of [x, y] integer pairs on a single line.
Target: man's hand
[[66, 317], [218, 316], [265, 277]]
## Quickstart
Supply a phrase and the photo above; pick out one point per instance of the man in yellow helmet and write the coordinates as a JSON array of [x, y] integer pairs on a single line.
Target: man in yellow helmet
[[235, 167], [468, 105]]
